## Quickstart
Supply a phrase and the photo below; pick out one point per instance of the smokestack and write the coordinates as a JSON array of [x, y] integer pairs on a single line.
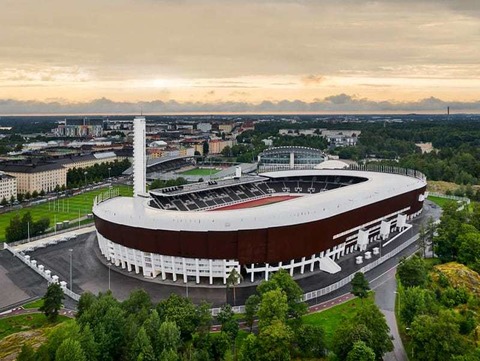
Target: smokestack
[[139, 158], [448, 110]]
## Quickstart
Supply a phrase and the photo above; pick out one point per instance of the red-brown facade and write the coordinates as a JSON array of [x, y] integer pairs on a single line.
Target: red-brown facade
[[270, 245]]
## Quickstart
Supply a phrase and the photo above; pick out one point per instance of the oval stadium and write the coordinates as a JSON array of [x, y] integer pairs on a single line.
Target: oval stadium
[[299, 220]]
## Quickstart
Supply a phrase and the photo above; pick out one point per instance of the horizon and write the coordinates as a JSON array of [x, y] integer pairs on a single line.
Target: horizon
[[373, 56]]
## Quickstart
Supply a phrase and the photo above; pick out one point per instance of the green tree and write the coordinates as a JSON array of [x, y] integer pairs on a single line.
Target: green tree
[[66, 330], [204, 317], [27, 353], [52, 301], [138, 304], [412, 272], [4, 202], [232, 280], [273, 307], [346, 335], [251, 308], [370, 316], [415, 301], [360, 286], [180, 310], [446, 242], [169, 336], [283, 281], [310, 341], [28, 195], [274, 341], [141, 348], [361, 352], [35, 194], [248, 350], [42, 193], [437, 338], [87, 299], [469, 252], [70, 350], [168, 355], [20, 197], [228, 322], [88, 344], [12, 199]]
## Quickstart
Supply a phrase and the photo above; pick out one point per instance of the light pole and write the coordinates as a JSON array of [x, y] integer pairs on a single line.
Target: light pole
[[71, 253], [186, 284], [109, 169], [85, 174]]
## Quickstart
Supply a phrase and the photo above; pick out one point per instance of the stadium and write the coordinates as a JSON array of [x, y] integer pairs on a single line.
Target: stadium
[[299, 220]]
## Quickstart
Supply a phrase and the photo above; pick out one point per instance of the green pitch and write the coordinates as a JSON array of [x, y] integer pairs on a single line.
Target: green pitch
[[199, 171], [62, 209]]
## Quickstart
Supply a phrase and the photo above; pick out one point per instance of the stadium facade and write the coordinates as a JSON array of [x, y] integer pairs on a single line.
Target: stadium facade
[[299, 220]]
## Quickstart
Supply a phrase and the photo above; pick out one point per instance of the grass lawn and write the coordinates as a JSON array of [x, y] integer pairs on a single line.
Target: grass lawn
[[63, 209], [331, 318], [439, 201], [200, 171], [14, 324], [34, 304]]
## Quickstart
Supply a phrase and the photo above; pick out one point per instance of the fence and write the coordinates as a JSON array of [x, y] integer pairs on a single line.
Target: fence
[[42, 272], [453, 198]]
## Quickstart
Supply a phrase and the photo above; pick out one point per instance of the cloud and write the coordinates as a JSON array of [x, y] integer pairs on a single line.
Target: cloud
[[312, 79], [340, 103]]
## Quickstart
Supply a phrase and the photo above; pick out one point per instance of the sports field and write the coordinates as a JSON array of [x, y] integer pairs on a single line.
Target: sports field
[[256, 203], [63, 209], [200, 171]]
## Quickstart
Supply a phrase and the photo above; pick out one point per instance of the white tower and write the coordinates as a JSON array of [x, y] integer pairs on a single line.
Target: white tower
[[139, 158]]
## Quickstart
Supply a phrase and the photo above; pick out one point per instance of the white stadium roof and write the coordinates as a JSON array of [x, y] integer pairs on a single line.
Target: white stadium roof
[[136, 212]]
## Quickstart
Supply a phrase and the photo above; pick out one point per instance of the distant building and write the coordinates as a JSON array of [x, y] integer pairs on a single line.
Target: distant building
[[217, 145], [226, 128], [341, 138], [204, 127], [289, 157], [87, 128], [36, 176], [8, 186]]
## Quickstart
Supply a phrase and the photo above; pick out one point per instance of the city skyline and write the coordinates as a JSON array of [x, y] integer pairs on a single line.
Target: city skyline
[[239, 56]]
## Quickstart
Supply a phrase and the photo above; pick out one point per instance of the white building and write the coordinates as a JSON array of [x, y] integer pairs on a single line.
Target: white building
[[8, 186]]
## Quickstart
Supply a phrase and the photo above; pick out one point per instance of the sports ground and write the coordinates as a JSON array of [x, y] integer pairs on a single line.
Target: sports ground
[[256, 203], [62, 209], [200, 171]]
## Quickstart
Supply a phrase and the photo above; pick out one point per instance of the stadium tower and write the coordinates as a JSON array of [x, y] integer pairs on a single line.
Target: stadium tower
[[139, 158]]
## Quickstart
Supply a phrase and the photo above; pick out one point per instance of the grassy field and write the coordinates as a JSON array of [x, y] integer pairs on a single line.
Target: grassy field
[[200, 171], [14, 324], [438, 200], [64, 209], [35, 304], [331, 318]]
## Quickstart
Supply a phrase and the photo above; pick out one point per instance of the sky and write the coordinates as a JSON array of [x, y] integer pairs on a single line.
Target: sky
[[174, 56]]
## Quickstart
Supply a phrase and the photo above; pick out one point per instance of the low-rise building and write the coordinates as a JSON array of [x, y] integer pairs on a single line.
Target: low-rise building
[[8, 186], [36, 176]]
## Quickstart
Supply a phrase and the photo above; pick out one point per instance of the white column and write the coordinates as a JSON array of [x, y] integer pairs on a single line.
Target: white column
[[162, 265], [292, 261], [197, 271], [174, 270], [266, 271], [292, 160], [224, 271], [302, 268], [210, 269], [312, 265], [252, 274], [184, 265]]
